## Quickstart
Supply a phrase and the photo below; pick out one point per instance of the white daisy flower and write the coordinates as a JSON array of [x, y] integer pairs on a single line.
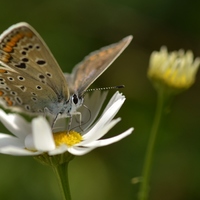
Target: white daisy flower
[[35, 138]]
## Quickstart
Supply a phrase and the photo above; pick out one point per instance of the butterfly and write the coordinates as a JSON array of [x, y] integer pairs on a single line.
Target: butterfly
[[31, 80]]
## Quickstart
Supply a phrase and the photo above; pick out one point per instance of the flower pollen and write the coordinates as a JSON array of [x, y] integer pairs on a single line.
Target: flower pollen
[[68, 138]]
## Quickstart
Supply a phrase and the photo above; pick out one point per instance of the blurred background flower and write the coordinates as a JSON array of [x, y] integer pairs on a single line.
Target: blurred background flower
[[175, 71], [72, 29]]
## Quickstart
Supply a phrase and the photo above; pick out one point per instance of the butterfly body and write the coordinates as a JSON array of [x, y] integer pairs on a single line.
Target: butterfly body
[[32, 81]]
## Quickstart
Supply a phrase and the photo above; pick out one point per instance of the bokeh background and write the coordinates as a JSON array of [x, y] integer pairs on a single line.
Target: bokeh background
[[74, 28]]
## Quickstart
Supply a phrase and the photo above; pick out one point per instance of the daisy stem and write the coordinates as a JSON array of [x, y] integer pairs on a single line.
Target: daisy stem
[[144, 187], [62, 175]]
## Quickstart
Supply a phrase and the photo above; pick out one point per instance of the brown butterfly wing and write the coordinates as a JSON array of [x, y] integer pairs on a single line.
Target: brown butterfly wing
[[30, 78], [24, 51], [86, 72]]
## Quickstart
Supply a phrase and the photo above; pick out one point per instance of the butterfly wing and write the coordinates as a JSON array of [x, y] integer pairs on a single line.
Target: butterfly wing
[[86, 72], [26, 59], [17, 95]]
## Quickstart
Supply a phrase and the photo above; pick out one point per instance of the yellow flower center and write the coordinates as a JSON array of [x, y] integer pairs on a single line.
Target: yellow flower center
[[68, 138], [175, 79]]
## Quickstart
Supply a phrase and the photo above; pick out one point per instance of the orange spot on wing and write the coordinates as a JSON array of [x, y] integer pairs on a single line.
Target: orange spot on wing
[[109, 51], [3, 71], [5, 58], [18, 36], [8, 49], [29, 34], [12, 43], [8, 101], [15, 39], [1, 93], [102, 53], [93, 57]]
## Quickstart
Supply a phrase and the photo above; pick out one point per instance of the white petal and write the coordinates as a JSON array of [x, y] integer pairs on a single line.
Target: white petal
[[105, 118], [79, 151], [16, 151], [9, 140], [104, 142], [99, 132], [15, 124], [109, 114], [29, 142], [114, 98], [42, 135], [14, 146], [113, 110]]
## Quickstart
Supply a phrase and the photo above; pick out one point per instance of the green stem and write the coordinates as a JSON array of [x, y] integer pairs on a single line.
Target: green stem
[[144, 187], [62, 175]]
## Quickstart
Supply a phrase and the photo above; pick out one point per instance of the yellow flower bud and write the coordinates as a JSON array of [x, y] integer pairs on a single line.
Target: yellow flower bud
[[175, 70]]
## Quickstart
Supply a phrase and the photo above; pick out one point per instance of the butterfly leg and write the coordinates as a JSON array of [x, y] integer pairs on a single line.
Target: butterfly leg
[[77, 121], [70, 123], [80, 119], [54, 120]]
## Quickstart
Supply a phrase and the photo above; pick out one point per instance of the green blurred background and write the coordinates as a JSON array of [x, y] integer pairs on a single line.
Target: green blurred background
[[72, 29]]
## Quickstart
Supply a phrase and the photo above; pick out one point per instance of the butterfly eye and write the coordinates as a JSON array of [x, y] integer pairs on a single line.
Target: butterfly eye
[[75, 99]]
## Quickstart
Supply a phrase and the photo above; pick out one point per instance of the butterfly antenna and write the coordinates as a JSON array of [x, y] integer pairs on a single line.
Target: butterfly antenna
[[105, 88]]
